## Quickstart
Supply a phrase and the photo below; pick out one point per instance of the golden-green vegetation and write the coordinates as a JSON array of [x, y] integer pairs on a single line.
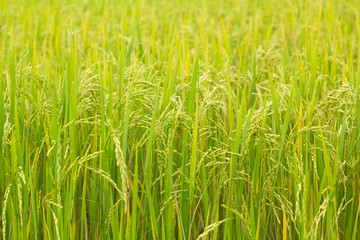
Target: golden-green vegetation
[[181, 119]]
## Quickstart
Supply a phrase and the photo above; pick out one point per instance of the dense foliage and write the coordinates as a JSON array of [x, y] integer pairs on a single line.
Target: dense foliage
[[233, 119]]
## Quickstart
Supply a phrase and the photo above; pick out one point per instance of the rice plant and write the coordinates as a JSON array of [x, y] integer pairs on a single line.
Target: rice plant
[[179, 119]]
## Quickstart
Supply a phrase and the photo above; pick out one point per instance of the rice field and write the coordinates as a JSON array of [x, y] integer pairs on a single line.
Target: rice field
[[179, 119]]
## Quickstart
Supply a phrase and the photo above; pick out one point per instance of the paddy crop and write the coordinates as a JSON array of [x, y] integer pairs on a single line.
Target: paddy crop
[[233, 119]]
